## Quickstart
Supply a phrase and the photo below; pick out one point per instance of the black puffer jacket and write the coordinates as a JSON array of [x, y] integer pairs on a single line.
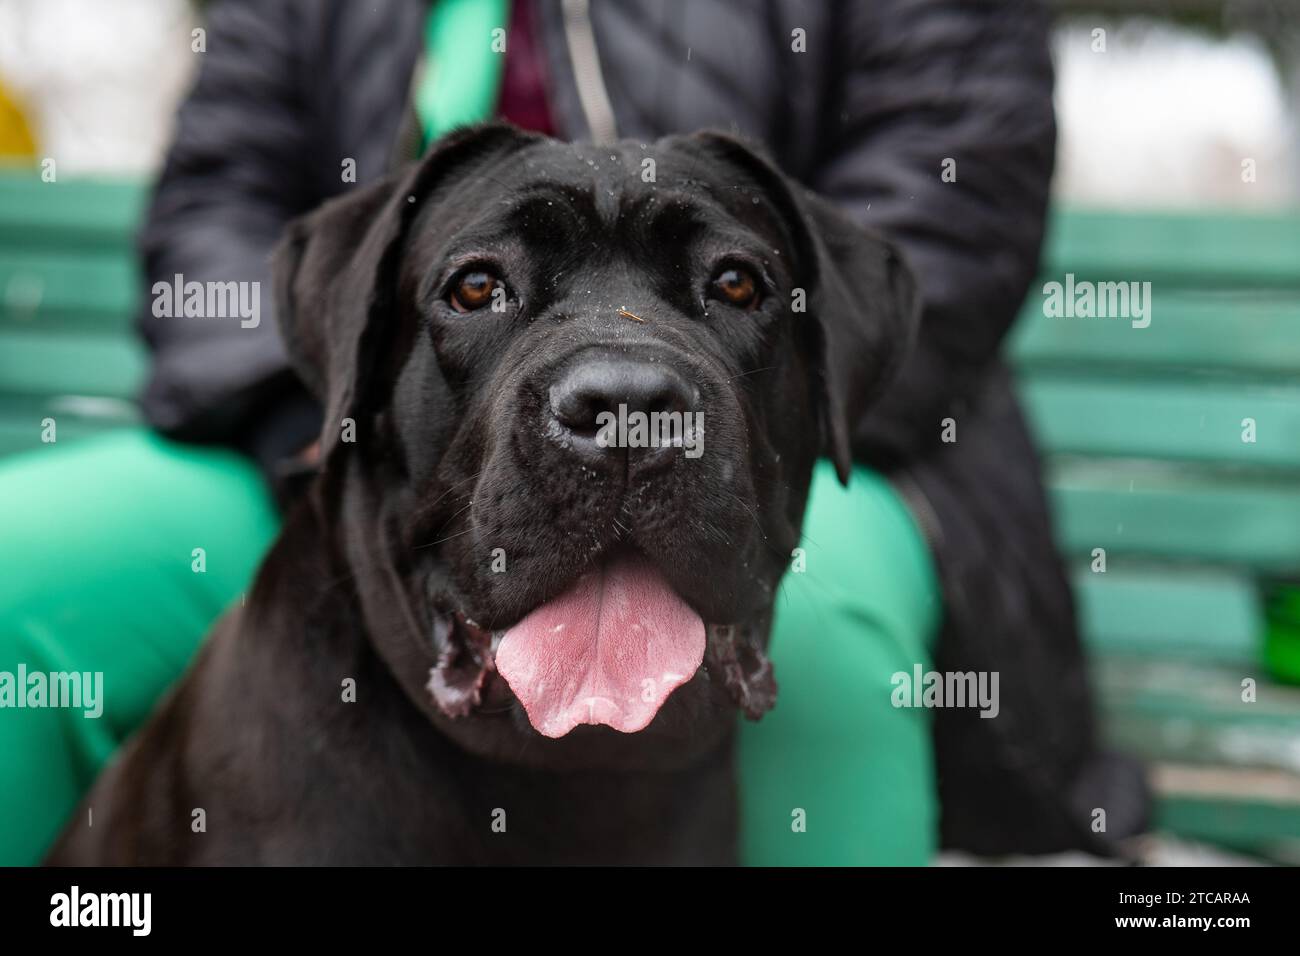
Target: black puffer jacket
[[866, 114]]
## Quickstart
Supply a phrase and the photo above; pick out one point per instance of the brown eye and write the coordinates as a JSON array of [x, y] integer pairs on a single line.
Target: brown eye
[[473, 290], [737, 287]]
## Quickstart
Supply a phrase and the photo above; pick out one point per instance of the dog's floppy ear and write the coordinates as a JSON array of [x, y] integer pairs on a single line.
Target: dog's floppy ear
[[335, 271], [859, 292]]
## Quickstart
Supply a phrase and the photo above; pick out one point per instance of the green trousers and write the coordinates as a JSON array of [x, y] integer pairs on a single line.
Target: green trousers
[[117, 553]]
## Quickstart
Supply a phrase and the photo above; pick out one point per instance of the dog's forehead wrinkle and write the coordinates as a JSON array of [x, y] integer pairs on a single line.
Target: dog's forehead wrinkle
[[607, 174], [565, 212]]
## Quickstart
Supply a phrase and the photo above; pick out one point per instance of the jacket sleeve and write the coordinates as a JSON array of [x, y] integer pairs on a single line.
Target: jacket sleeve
[[924, 88], [233, 177]]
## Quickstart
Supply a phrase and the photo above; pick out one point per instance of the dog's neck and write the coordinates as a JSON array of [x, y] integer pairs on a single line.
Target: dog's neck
[[523, 815]]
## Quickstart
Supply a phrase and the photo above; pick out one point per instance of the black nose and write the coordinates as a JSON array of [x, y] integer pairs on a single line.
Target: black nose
[[592, 393]]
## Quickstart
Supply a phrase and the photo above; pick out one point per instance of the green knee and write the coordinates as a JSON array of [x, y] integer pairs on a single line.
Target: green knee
[[120, 552], [836, 774]]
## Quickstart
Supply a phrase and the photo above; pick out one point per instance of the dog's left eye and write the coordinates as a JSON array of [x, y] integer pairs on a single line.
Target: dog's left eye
[[473, 290], [736, 286]]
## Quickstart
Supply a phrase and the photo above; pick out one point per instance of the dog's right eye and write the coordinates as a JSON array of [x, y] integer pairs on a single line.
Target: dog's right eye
[[472, 290]]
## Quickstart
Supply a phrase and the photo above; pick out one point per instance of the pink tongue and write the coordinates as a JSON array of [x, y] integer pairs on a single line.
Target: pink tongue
[[608, 651]]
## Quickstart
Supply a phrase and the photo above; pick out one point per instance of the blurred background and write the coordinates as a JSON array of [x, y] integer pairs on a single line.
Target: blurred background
[[1173, 450]]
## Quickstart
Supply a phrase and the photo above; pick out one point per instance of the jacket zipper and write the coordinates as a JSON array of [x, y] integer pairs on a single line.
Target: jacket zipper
[[581, 41]]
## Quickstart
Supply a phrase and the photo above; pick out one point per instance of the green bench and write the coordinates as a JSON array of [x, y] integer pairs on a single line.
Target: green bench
[[1142, 427]]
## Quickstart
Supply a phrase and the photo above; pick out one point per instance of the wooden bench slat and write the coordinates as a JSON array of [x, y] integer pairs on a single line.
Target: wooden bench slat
[[1193, 250], [76, 417], [35, 363], [20, 436], [1252, 825], [1140, 508], [68, 291], [1195, 614], [1193, 713], [1253, 331], [1179, 419], [1247, 808], [69, 212]]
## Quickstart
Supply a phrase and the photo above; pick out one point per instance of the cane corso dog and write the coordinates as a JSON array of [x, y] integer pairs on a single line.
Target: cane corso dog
[[498, 628]]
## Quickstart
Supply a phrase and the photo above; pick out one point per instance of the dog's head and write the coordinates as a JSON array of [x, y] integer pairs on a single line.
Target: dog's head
[[573, 399]]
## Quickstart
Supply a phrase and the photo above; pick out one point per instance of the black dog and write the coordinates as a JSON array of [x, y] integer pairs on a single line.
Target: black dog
[[490, 632]]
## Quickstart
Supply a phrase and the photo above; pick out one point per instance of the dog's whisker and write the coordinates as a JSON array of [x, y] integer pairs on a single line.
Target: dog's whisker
[[421, 547], [451, 519], [757, 524], [716, 533], [772, 549], [752, 371], [425, 509]]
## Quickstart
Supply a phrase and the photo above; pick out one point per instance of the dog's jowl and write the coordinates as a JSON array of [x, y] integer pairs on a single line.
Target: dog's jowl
[[570, 419]]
